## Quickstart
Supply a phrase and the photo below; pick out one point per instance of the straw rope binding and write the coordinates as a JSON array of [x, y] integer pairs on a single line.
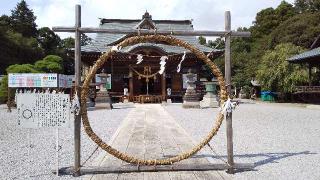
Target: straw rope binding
[[129, 158]]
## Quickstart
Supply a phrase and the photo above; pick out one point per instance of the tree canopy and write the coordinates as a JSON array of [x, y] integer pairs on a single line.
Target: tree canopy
[[22, 20], [276, 74]]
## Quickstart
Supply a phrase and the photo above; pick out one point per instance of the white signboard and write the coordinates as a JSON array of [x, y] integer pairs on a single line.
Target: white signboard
[[43, 110], [32, 80]]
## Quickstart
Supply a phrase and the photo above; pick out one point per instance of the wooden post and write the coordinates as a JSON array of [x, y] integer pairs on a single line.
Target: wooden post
[[9, 99], [77, 120], [310, 69], [163, 86], [130, 83], [228, 84]]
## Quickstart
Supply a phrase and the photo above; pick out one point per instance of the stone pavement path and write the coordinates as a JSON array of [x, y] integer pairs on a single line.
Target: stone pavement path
[[150, 132]]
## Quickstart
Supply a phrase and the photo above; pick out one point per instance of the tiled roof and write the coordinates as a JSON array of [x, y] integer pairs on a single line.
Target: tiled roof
[[104, 41], [306, 55]]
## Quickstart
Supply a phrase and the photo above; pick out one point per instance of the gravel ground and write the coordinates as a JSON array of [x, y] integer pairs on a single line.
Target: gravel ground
[[14, 160], [281, 140]]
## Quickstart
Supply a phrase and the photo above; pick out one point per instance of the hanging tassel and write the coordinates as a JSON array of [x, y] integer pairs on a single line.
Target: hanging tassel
[[139, 58], [182, 59], [163, 64], [228, 106]]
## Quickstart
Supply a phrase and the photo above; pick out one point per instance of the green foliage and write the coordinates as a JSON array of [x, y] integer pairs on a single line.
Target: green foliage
[[4, 89], [50, 64], [84, 40], [276, 74], [68, 43], [202, 40], [307, 5], [49, 41], [22, 20], [300, 30], [268, 19], [22, 68], [16, 49]]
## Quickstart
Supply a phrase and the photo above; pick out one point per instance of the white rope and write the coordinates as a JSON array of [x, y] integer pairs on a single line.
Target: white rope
[[228, 106]]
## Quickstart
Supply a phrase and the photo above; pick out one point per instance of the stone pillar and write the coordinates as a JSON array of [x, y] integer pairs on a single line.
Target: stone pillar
[[191, 98], [210, 98]]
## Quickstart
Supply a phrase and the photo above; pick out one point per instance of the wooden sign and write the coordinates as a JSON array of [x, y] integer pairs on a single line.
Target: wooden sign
[[37, 110]]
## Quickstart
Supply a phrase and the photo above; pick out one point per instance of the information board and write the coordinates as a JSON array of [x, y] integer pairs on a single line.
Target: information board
[[65, 81], [37, 110], [19, 80]]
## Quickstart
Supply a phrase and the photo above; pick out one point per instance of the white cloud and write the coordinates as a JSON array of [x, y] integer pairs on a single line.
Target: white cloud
[[207, 14]]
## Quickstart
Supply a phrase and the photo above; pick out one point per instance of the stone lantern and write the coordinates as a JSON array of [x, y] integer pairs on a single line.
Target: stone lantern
[[210, 98], [103, 95], [191, 98]]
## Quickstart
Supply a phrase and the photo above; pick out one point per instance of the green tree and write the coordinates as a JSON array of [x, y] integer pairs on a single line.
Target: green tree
[[22, 20], [68, 43], [300, 30], [307, 5], [50, 64], [49, 41], [268, 19], [202, 40], [85, 40], [276, 74]]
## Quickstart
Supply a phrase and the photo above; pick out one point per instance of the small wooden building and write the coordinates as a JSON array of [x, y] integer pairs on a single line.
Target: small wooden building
[[311, 58], [123, 67]]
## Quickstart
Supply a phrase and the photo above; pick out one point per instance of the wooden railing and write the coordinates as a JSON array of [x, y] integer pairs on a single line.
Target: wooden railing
[[305, 89]]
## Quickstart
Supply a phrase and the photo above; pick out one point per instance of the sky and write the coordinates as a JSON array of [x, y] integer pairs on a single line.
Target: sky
[[206, 14]]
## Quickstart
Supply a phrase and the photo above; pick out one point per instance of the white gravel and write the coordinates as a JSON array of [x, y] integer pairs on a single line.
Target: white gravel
[[280, 139], [283, 141], [15, 162]]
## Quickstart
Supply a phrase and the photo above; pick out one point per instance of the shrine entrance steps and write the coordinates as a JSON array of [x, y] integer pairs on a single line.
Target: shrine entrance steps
[[150, 132]]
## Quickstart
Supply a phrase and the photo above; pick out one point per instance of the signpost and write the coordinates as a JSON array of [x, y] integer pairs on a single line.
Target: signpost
[[43, 110], [77, 29]]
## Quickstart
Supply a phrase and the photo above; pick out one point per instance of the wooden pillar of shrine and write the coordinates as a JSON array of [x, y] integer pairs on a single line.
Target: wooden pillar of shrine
[[130, 82], [163, 86]]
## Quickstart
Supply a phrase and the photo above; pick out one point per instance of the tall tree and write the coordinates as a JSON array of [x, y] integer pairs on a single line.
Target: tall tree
[[268, 19], [49, 41], [22, 20]]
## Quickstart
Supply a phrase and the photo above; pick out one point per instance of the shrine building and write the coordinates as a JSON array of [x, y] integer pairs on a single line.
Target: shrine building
[[144, 78]]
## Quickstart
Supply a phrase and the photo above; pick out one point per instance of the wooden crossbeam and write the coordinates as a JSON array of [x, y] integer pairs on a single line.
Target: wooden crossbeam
[[164, 168], [146, 31]]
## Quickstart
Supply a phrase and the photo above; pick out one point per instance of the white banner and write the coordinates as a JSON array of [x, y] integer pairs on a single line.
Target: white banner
[[37, 110]]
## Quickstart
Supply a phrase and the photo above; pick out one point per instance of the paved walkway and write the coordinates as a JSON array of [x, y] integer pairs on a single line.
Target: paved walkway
[[149, 132]]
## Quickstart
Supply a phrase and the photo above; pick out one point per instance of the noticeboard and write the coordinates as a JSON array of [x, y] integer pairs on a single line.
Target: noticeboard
[[33, 80], [37, 110]]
